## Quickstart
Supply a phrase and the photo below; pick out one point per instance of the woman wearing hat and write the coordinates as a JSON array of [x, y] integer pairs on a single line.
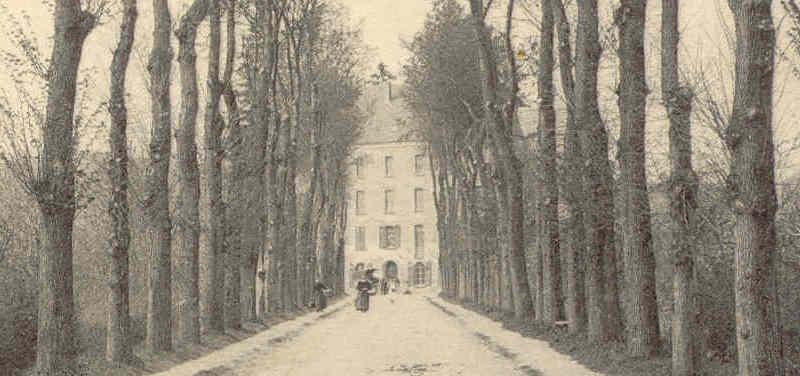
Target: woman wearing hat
[[365, 289]]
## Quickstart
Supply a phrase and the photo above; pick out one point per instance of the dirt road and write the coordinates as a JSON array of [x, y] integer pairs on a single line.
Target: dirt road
[[400, 335]]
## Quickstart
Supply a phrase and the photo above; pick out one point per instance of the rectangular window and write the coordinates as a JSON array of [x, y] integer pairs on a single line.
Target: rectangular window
[[419, 164], [388, 201], [419, 242], [360, 167], [360, 202], [388, 164], [418, 199], [361, 238], [389, 237]]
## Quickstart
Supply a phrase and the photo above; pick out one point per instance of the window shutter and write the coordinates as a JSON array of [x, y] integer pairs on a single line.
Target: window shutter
[[410, 274], [428, 273], [382, 237]]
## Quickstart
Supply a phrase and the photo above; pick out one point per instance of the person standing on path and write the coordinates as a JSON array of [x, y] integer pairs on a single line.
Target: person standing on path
[[365, 289], [321, 291]]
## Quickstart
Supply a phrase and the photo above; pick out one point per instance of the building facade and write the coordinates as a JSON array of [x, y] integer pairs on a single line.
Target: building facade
[[391, 215]]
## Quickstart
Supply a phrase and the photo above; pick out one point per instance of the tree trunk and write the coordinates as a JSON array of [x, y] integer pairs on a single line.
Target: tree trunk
[[118, 344], [612, 301], [213, 314], [538, 273], [234, 207], [276, 249], [189, 174], [276, 253], [642, 334], [751, 188], [506, 292], [572, 183], [683, 190], [548, 194], [597, 174], [255, 228], [156, 206], [291, 282], [307, 235]]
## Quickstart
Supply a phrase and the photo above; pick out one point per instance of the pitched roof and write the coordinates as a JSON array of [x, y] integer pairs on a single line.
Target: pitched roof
[[389, 120]]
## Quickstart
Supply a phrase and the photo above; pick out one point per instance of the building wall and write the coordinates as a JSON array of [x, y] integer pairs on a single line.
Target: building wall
[[371, 179]]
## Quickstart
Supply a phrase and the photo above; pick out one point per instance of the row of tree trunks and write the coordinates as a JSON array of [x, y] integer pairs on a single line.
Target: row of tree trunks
[[592, 296], [501, 118], [56, 194]]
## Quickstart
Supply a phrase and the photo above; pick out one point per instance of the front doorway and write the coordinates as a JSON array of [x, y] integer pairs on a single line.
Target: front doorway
[[390, 270]]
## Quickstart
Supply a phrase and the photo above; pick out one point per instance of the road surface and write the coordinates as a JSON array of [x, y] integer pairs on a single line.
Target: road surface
[[416, 334]]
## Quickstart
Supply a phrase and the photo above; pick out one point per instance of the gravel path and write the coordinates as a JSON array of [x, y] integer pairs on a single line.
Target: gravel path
[[400, 335]]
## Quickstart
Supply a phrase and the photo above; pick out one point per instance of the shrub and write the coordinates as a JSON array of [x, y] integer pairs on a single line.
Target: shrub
[[18, 308]]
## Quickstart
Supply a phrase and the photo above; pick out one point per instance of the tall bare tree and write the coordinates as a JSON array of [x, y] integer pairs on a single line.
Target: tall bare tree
[[683, 190], [189, 173], [156, 202], [295, 33], [118, 342], [572, 183], [55, 191], [597, 180], [548, 189], [642, 336], [751, 189], [213, 298], [233, 207]]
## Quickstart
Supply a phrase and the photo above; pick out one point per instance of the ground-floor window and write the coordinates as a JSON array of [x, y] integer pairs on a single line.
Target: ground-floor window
[[419, 274]]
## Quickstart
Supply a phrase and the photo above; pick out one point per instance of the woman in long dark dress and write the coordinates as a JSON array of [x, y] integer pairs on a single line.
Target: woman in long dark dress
[[365, 289]]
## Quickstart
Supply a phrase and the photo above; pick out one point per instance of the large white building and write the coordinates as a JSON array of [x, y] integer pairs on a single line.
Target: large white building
[[391, 215]]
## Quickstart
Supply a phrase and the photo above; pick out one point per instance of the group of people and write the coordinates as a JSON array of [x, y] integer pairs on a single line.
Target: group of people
[[366, 286], [369, 285]]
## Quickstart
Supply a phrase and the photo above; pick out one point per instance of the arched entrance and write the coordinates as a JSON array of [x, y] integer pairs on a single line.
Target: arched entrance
[[390, 270]]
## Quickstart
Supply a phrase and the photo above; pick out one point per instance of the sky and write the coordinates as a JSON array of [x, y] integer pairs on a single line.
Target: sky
[[386, 22]]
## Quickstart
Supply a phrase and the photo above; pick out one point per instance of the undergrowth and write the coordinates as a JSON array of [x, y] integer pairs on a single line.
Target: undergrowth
[[608, 358]]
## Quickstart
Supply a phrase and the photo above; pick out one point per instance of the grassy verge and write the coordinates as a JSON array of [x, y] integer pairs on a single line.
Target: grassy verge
[[91, 359], [607, 358]]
